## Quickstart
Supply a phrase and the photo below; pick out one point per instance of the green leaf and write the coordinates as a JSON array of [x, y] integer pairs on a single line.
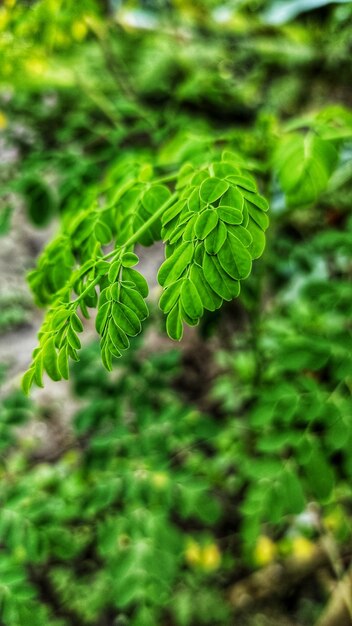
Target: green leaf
[[76, 322], [233, 198], [114, 270], [62, 362], [229, 215], [105, 296], [118, 336], [38, 369], [175, 265], [72, 353], [223, 169], [292, 492], [126, 319], [190, 321], [184, 175], [258, 216], [106, 357], [155, 197], [174, 326], [102, 233], [215, 276], [199, 252], [256, 199], [244, 181], [27, 380], [135, 277], [304, 165], [210, 300], [319, 474], [91, 298], [40, 200], [60, 317], [102, 267], [73, 339], [206, 222], [242, 234], [198, 177], [114, 292], [102, 316], [190, 299], [129, 259], [173, 211], [216, 238], [194, 203], [112, 348], [83, 230], [50, 359], [235, 259], [212, 189], [175, 235], [257, 246], [133, 299], [189, 231], [170, 296], [84, 310]]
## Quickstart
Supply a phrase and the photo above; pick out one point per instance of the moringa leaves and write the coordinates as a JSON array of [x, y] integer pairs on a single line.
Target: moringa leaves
[[190, 300], [234, 258], [212, 189], [229, 215], [212, 226], [214, 239], [205, 223], [304, 164], [175, 265], [174, 325], [120, 316]]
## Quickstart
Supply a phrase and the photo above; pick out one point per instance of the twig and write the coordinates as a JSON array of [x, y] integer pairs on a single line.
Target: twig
[[277, 579], [338, 610]]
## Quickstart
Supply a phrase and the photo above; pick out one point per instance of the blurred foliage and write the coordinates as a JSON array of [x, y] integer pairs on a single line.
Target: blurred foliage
[[168, 487], [291, 378], [14, 311], [153, 507], [115, 525], [132, 79]]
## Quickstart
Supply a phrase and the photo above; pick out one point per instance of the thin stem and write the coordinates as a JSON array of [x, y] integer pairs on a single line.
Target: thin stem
[[134, 238], [108, 255], [166, 178], [87, 290]]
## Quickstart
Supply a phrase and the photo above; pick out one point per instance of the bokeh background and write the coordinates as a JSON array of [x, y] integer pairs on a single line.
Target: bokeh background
[[206, 482]]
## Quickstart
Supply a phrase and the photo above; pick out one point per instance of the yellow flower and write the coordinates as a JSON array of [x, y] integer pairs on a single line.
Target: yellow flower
[[302, 548], [210, 557], [160, 480], [265, 551], [3, 120], [4, 18], [334, 520], [79, 30], [36, 67], [193, 553]]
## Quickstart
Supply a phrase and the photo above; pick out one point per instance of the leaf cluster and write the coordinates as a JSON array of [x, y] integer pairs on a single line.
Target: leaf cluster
[[212, 224]]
